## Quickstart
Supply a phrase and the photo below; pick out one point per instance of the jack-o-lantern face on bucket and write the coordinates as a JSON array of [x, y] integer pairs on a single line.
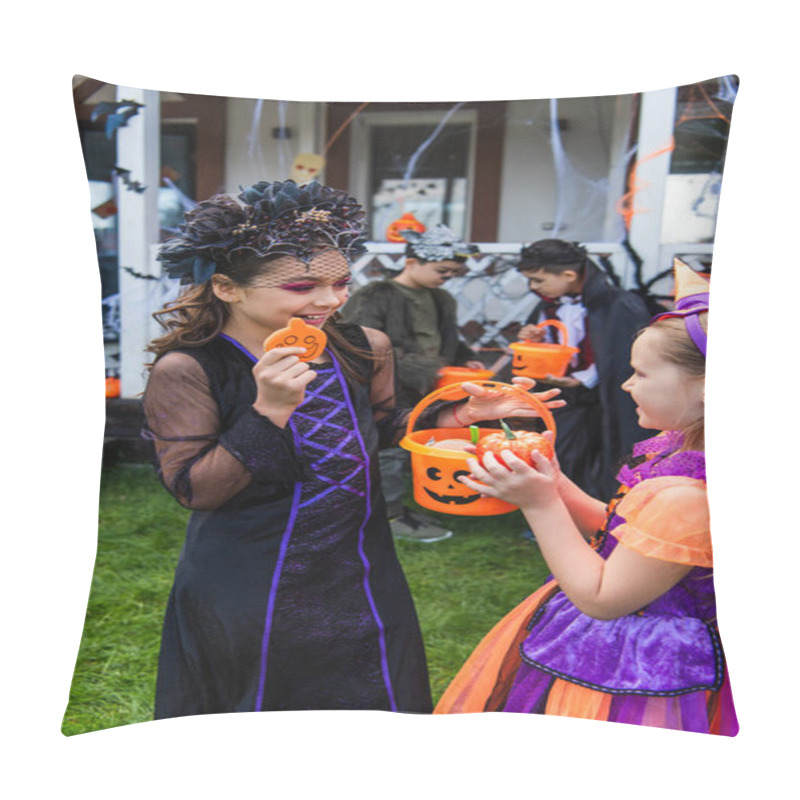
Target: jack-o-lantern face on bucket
[[442, 485], [440, 456], [530, 360], [540, 359]]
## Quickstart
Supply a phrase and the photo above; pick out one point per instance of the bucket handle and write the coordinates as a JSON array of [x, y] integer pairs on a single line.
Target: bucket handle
[[562, 329], [454, 392]]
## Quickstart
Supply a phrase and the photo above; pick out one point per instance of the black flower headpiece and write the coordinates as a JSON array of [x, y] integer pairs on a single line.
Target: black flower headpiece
[[273, 219]]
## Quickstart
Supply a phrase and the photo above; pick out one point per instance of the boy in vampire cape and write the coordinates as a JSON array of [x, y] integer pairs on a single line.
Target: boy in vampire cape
[[599, 425]]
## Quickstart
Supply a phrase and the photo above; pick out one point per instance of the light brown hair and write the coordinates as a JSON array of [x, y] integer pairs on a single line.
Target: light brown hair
[[677, 347]]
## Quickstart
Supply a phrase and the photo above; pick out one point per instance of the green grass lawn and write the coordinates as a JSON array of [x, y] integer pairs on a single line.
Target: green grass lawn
[[461, 587]]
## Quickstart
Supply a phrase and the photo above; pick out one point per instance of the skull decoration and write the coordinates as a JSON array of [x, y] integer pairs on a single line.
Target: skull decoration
[[306, 168]]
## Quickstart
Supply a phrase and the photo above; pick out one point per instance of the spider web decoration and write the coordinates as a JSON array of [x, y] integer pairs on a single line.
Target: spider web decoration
[[492, 297], [578, 194]]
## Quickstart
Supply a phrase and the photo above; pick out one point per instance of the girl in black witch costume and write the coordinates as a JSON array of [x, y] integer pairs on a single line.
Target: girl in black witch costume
[[288, 594]]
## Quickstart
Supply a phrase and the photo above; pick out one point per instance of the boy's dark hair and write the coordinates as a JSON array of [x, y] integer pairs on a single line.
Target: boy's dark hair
[[552, 255]]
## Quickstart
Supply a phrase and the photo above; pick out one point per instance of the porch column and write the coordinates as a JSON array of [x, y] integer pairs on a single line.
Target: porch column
[[138, 150], [653, 156]]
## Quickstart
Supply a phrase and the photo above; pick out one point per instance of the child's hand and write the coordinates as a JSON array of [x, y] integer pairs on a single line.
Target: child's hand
[[281, 380], [554, 460], [531, 333], [489, 403], [567, 382], [517, 482]]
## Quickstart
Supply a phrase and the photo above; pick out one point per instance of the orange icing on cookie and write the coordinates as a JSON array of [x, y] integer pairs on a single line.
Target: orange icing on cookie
[[298, 334]]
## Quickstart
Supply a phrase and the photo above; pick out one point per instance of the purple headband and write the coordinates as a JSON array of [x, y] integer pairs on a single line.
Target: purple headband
[[689, 308]]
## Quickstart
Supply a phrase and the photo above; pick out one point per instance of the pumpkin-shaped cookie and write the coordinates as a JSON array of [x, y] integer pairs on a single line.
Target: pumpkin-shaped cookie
[[298, 334]]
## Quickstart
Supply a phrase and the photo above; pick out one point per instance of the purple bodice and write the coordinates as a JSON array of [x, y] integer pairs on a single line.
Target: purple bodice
[[327, 527], [670, 647]]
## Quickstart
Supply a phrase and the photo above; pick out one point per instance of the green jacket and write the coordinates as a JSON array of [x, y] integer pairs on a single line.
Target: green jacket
[[383, 306]]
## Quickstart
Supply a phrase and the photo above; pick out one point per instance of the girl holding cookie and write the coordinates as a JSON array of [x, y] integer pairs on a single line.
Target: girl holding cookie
[[288, 594]]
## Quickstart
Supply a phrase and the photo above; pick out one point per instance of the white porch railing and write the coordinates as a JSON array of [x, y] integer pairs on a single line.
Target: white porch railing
[[492, 295]]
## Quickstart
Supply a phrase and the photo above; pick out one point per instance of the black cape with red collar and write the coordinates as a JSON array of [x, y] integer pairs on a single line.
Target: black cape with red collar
[[599, 426]]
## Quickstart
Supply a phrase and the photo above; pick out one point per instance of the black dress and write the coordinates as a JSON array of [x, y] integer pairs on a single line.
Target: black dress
[[288, 594]]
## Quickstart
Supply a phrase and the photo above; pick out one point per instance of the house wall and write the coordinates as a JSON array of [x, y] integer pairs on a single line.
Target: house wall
[[253, 154], [576, 194], [569, 190], [569, 198]]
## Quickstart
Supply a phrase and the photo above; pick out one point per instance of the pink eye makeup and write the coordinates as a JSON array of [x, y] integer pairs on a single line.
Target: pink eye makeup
[[307, 286], [298, 287]]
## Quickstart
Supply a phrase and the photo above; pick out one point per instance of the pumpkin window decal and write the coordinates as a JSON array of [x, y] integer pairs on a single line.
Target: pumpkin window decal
[[408, 222]]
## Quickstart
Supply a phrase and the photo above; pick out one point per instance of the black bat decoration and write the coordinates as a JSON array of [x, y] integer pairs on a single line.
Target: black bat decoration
[[135, 274], [117, 114], [131, 186]]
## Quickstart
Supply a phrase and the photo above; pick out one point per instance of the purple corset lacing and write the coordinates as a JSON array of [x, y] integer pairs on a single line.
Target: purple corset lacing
[[306, 443]]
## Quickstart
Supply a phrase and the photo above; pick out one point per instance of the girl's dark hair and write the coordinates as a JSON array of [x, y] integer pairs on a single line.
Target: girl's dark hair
[[198, 315], [192, 320]]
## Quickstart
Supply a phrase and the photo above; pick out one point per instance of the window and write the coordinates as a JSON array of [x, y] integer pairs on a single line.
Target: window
[[702, 123], [409, 163]]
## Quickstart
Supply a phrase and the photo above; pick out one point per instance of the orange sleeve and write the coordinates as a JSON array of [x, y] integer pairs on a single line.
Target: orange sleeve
[[667, 518]]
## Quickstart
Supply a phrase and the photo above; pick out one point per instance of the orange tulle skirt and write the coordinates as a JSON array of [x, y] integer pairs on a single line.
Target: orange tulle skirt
[[486, 680]]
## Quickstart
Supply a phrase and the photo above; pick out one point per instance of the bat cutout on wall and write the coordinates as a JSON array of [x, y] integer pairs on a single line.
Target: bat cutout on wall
[[131, 186], [136, 274], [117, 114]]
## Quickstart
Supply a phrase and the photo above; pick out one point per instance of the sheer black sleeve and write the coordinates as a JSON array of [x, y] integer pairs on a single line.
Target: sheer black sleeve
[[391, 421], [200, 464]]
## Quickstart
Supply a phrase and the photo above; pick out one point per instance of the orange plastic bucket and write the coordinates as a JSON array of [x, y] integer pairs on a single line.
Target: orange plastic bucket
[[540, 359], [435, 470], [448, 375]]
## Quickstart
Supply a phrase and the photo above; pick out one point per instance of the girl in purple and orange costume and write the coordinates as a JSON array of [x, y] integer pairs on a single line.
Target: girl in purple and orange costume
[[288, 593], [626, 628]]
